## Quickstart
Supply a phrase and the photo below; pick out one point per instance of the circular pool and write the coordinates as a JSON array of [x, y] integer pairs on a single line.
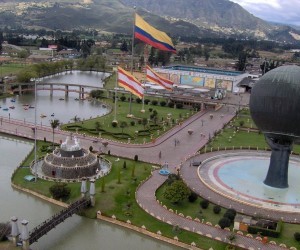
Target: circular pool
[[240, 177]]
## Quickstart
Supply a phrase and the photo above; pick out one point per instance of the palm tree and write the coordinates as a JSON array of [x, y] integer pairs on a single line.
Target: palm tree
[[75, 119], [97, 126], [54, 124]]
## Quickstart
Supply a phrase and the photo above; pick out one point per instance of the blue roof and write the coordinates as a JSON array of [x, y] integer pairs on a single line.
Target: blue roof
[[29, 178], [205, 70]]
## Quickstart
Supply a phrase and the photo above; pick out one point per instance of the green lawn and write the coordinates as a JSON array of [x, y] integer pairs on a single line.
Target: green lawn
[[138, 132], [115, 193], [7, 69], [192, 209], [117, 197]]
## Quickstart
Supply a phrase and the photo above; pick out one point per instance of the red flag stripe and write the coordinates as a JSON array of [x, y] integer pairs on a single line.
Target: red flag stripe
[[130, 83], [154, 77]]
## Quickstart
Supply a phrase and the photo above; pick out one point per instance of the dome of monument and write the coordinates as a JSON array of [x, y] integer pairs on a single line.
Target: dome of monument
[[275, 102]]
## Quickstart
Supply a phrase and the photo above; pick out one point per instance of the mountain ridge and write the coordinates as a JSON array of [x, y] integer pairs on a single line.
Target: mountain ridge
[[176, 17]]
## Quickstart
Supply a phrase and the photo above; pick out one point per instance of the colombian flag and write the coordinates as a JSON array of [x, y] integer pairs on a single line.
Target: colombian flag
[[155, 78], [150, 35], [130, 83]]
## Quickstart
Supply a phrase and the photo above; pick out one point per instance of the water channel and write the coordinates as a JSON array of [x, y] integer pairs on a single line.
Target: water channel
[[76, 232]]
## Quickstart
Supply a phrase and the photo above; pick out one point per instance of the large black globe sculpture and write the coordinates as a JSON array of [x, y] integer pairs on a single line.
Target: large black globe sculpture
[[275, 109]]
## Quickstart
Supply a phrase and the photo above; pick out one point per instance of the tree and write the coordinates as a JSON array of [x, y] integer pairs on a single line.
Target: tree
[[124, 46], [217, 209], [241, 63], [230, 214], [144, 122], [54, 124], [193, 197], [177, 191], [297, 236], [60, 191], [204, 204], [123, 125], [206, 53], [75, 118], [224, 222], [97, 126]]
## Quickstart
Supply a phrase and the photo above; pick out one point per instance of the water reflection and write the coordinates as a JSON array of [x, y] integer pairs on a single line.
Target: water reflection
[[89, 78], [51, 108], [76, 232]]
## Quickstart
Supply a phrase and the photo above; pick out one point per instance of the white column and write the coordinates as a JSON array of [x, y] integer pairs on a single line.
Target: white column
[[25, 235], [83, 187], [92, 192], [14, 230]]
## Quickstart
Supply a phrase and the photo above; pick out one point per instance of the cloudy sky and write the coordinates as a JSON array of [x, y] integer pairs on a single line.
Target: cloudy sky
[[283, 11]]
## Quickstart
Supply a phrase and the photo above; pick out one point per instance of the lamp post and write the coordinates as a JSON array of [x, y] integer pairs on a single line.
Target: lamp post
[[35, 132]]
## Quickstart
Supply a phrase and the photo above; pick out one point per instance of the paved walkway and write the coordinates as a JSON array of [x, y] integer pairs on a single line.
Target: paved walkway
[[146, 198], [190, 175], [203, 127]]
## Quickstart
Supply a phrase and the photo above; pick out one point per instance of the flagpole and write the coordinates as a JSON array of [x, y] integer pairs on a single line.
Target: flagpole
[[132, 53], [143, 104], [116, 97]]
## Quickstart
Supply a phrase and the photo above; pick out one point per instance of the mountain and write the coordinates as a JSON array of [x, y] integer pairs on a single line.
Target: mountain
[[221, 16], [103, 15], [177, 17]]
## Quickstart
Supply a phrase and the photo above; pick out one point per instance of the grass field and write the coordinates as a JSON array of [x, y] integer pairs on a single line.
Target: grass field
[[115, 193], [7, 69]]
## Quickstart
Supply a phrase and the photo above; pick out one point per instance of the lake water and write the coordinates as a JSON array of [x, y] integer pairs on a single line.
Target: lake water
[[76, 232], [49, 108]]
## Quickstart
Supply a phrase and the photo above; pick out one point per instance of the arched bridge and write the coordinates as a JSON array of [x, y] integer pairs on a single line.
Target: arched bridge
[[66, 87], [56, 219]]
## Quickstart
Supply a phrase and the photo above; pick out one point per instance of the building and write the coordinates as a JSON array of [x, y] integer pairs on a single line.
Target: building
[[208, 78]]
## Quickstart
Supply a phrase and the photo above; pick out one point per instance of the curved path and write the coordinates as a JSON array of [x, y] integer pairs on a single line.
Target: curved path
[[190, 175], [147, 200], [176, 155]]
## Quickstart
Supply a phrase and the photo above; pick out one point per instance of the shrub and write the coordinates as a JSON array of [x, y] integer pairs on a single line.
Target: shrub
[[146, 101], [136, 157], [217, 209], [60, 191], [138, 100], [123, 98], [193, 197], [163, 103], [171, 104], [297, 236], [229, 215], [204, 204], [150, 109], [154, 102], [114, 124], [232, 211], [132, 123], [172, 178], [241, 123], [224, 222]]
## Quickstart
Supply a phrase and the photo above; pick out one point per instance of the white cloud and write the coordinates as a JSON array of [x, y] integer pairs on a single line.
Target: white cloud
[[284, 11]]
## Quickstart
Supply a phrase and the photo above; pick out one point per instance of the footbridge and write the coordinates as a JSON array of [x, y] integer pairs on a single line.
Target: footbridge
[[66, 87], [56, 219]]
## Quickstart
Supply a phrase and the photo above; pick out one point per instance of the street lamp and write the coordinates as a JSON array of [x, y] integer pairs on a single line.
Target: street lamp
[[35, 132]]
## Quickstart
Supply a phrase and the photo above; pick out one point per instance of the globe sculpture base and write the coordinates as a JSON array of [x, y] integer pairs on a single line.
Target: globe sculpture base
[[277, 175]]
